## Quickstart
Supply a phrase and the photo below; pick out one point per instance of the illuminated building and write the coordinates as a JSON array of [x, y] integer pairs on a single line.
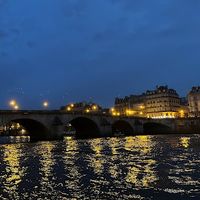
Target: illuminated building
[[194, 102], [133, 105], [162, 103], [159, 103]]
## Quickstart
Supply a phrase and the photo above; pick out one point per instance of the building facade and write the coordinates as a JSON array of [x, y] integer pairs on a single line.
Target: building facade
[[162, 103], [194, 102], [133, 105]]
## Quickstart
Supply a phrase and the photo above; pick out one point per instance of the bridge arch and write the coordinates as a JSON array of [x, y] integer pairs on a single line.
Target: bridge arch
[[122, 127], [85, 127], [36, 130], [156, 128]]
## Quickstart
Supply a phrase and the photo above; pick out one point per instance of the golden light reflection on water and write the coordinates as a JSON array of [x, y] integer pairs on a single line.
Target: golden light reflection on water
[[71, 146], [142, 143], [114, 169], [96, 159], [185, 142], [14, 171], [47, 163], [141, 173], [72, 174], [107, 168]]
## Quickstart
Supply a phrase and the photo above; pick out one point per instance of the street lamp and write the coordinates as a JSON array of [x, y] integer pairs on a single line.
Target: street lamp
[[12, 103], [71, 105], [69, 108], [45, 104], [16, 107]]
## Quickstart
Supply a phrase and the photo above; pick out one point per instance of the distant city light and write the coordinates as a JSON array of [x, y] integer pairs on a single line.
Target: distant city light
[[94, 107], [142, 107], [112, 109], [87, 110]]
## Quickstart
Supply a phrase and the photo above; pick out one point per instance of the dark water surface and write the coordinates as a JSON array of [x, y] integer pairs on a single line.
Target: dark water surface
[[140, 167]]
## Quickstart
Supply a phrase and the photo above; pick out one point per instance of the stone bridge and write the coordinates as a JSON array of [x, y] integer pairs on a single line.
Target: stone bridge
[[47, 125]]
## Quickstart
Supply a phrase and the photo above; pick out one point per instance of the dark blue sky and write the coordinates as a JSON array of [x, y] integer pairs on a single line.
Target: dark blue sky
[[73, 50]]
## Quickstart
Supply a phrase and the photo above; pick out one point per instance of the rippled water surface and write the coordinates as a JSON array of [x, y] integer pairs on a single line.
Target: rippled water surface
[[140, 167]]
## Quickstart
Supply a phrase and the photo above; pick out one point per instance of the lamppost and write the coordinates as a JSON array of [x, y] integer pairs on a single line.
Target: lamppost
[[45, 104], [14, 105]]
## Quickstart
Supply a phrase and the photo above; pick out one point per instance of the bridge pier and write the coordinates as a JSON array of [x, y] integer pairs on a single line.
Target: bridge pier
[[56, 132], [105, 131]]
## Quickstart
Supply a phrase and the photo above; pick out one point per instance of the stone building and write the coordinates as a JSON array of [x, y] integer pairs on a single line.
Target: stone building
[[194, 102], [133, 105], [162, 103]]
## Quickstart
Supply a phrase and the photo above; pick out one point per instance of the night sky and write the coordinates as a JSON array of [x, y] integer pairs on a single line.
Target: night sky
[[73, 50]]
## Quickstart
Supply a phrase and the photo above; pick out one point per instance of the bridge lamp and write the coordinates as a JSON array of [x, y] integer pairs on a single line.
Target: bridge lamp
[[45, 104], [16, 107], [12, 103], [69, 108], [71, 105]]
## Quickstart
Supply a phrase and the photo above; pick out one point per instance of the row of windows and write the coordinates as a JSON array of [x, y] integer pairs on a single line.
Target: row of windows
[[162, 96], [163, 106], [194, 97], [164, 101]]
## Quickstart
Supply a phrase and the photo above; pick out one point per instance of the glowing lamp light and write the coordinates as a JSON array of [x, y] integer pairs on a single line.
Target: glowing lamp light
[[45, 104], [87, 110], [69, 108], [16, 107], [12, 103], [94, 107], [71, 105], [142, 107], [112, 109]]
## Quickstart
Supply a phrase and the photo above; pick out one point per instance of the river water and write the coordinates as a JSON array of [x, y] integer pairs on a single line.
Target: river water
[[140, 167]]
